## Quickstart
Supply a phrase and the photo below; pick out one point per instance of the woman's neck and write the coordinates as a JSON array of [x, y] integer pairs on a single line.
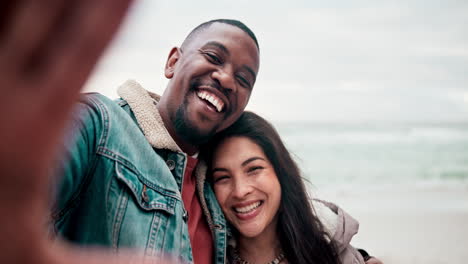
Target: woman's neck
[[260, 249]]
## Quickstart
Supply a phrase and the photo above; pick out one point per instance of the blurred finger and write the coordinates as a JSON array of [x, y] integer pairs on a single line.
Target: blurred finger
[[72, 255], [7, 9], [78, 48], [29, 26], [373, 260]]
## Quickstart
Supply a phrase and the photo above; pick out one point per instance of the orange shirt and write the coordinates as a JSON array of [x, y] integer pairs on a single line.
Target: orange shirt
[[199, 231]]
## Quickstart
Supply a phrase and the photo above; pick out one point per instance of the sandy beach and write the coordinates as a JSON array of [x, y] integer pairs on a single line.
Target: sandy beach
[[408, 224]]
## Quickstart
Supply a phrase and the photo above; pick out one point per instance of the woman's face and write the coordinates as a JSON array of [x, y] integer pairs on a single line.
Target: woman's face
[[246, 186]]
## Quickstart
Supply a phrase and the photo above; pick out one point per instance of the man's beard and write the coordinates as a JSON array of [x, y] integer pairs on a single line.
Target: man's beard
[[188, 131]]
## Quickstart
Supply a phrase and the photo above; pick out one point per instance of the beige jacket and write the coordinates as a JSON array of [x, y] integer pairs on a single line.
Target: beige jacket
[[341, 227]]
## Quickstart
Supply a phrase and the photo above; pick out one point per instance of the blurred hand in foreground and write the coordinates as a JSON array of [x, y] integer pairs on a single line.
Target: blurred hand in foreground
[[47, 52], [373, 260]]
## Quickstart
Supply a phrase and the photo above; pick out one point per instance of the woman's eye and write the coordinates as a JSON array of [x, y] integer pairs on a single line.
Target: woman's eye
[[255, 169], [220, 179]]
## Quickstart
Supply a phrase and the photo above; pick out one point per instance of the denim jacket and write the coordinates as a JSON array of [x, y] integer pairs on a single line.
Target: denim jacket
[[120, 183]]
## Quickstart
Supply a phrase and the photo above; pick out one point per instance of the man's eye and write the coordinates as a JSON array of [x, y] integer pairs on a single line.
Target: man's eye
[[213, 58], [243, 81]]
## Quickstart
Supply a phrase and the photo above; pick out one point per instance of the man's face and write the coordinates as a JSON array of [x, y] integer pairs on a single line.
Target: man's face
[[211, 81]]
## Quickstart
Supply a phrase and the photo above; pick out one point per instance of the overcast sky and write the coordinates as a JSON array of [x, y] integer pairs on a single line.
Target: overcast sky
[[334, 61]]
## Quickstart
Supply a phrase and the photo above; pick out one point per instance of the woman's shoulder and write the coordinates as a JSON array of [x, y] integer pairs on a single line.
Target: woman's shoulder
[[337, 223], [341, 227]]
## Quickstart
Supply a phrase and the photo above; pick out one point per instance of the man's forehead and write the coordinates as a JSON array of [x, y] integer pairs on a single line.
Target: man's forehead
[[230, 39], [222, 33]]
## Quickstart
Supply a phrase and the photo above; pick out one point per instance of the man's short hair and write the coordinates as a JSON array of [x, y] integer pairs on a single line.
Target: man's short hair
[[231, 22]]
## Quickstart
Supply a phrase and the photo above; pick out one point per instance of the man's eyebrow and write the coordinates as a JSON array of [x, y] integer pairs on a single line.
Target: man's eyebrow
[[250, 71], [218, 45], [250, 160]]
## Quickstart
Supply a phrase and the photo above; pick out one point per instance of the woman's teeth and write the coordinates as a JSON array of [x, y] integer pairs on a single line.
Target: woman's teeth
[[248, 208]]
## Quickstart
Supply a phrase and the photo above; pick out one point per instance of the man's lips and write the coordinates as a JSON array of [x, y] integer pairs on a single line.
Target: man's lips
[[212, 99], [212, 94]]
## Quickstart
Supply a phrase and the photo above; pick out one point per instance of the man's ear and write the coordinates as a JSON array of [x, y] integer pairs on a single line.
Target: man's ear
[[171, 62]]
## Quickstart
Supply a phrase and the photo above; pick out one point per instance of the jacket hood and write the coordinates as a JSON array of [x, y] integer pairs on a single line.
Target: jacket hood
[[340, 225]]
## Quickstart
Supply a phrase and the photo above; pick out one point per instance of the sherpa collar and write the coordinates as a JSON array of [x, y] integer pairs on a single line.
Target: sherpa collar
[[143, 105]]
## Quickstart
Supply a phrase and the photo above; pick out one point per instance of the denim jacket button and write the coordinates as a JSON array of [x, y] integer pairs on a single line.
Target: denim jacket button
[[185, 216], [170, 164], [144, 195]]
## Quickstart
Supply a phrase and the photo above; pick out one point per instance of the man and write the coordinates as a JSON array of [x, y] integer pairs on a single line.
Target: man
[[125, 188]]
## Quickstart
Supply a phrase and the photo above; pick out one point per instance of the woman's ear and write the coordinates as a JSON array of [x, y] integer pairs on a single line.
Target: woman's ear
[[171, 62]]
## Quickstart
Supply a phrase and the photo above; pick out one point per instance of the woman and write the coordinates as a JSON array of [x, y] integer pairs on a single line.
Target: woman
[[263, 196]]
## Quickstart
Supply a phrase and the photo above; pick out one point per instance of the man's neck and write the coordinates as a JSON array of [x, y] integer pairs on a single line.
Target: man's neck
[[188, 148]]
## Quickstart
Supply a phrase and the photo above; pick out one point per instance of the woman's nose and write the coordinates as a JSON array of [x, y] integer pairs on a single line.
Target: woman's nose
[[241, 188]]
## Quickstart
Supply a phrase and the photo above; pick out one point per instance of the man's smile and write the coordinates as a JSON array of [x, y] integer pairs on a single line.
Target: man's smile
[[212, 99]]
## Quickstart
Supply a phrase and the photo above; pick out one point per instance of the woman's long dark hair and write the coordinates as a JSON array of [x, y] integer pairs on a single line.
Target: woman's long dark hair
[[301, 234]]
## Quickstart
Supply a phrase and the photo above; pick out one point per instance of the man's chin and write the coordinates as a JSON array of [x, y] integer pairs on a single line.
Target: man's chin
[[196, 137], [193, 134]]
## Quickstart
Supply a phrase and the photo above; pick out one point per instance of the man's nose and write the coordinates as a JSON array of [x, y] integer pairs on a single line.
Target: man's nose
[[225, 77]]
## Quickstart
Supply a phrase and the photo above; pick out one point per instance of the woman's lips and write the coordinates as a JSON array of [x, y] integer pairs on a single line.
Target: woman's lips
[[247, 212]]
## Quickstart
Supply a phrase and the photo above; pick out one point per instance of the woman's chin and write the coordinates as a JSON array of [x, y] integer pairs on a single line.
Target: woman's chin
[[249, 232]]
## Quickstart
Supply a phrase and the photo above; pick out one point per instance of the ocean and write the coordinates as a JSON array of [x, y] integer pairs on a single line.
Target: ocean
[[378, 154]]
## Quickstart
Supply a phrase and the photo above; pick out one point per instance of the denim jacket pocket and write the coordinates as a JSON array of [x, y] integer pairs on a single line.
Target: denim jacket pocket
[[148, 196], [143, 212]]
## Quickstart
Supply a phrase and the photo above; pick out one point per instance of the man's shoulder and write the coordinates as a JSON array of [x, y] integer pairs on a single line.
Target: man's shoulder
[[96, 111], [96, 99], [101, 103]]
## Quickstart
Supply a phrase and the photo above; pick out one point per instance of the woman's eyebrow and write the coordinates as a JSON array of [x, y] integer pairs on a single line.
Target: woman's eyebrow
[[218, 169], [247, 161]]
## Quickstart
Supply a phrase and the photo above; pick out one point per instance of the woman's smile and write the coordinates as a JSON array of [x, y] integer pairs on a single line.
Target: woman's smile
[[247, 212]]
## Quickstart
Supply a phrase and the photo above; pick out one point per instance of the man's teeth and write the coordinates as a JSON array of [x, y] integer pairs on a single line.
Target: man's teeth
[[248, 208], [213, 99]]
